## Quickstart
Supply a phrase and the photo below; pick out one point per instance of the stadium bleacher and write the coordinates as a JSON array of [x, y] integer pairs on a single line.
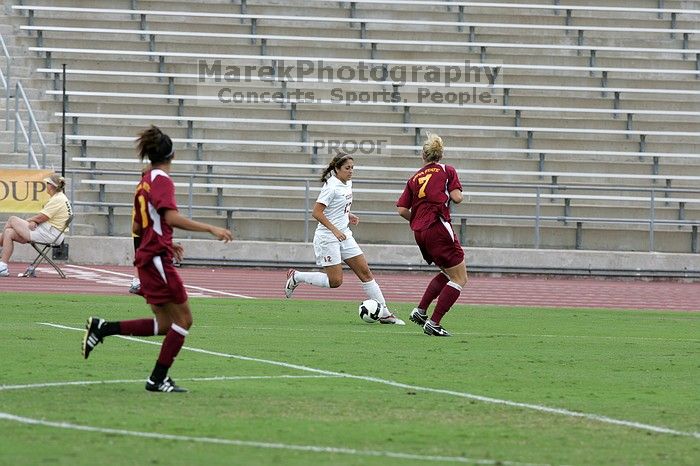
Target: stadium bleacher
[[591, 123]]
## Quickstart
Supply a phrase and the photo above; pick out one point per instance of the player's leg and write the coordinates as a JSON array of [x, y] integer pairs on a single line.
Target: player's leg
[[175, 321], [448, 296], [327, 253], [420, 313], [440, 244], [358, 264], [170, 305], [97, 329], [352, 255], [158, 291]]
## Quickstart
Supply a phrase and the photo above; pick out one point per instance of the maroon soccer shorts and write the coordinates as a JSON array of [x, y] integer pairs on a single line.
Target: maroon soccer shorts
[[160, 282], [439, 244]]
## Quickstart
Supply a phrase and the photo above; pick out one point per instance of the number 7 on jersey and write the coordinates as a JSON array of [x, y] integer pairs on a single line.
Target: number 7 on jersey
[[423, 182]]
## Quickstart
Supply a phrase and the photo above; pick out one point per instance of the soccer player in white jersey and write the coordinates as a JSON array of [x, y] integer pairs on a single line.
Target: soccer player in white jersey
[[333, 241]]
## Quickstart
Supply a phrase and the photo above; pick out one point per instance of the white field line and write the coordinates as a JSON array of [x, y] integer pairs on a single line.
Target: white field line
[[489, 335], [192, 287], [248, 443], [191, 379], [485, 399], [113, 279]]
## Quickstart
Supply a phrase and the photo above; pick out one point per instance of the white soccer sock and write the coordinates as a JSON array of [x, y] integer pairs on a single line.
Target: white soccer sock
[[373, 291], [312, 278], [3, 265]]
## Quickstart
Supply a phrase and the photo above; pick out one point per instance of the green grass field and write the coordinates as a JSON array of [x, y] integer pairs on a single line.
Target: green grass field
[[306, 382]]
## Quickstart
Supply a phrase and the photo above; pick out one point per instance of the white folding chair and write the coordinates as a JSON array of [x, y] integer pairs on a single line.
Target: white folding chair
[[43, 249]]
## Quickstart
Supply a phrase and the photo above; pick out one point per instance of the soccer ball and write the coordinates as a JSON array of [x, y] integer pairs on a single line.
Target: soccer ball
[[369, 311]]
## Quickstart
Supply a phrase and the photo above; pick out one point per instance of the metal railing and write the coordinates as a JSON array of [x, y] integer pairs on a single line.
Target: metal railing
[[28, 133], [6, 78], [543, 197], [32, 126]]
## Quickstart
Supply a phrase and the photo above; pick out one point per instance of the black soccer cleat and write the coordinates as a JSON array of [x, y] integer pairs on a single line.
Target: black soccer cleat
[[166, 386], [93, 335], [418, 317], [435, 330]]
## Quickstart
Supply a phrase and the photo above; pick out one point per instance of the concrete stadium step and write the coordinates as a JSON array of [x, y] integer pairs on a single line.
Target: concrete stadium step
[[384, 51], [397, 157], [372, 94], [482, 204], [376, 31], [496, 119], [569, 164], [484, 235], [535, 76]]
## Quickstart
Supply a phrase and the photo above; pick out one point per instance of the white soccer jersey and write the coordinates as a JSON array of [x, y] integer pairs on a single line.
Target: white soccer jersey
[[337, 197]]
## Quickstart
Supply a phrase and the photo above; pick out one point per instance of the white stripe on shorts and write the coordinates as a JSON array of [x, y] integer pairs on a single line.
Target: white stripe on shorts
[[158, 262], [448, 227]]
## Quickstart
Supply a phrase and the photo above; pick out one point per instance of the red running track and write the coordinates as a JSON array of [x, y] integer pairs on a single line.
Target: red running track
[[397, 287]]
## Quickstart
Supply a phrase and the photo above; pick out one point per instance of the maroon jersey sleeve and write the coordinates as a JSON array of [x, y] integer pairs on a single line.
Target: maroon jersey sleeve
[[163, 194], [452, 179], [406, 199]]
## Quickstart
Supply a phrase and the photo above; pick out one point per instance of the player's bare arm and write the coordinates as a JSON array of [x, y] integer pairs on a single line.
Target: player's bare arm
[[404, 212], [177, 220], [354, 219], [38, 218], [456, 196], [136, 228], [323, 220]]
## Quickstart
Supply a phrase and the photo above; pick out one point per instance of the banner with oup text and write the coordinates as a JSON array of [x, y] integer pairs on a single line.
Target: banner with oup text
[[23, 190]]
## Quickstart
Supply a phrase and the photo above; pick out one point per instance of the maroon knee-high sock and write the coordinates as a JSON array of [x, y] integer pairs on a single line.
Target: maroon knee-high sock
[[433, 290], [138, 327], [448, 296], [172, 343]]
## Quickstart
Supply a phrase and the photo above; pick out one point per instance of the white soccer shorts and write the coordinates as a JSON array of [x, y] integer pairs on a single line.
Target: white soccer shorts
[[329, 251]]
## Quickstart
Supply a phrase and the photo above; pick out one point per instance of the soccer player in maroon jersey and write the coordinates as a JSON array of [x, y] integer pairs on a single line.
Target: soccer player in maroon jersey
[[155, 217], [425, 203]]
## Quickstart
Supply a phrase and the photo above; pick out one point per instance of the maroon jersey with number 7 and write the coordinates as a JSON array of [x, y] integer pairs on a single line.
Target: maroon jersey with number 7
[[427, 195]]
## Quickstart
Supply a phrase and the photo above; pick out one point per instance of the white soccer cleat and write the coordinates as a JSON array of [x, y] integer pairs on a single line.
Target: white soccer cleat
[[291, 283], [389, 318]]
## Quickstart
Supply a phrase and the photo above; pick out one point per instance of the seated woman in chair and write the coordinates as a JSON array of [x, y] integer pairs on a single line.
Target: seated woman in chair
[[43, 227]]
